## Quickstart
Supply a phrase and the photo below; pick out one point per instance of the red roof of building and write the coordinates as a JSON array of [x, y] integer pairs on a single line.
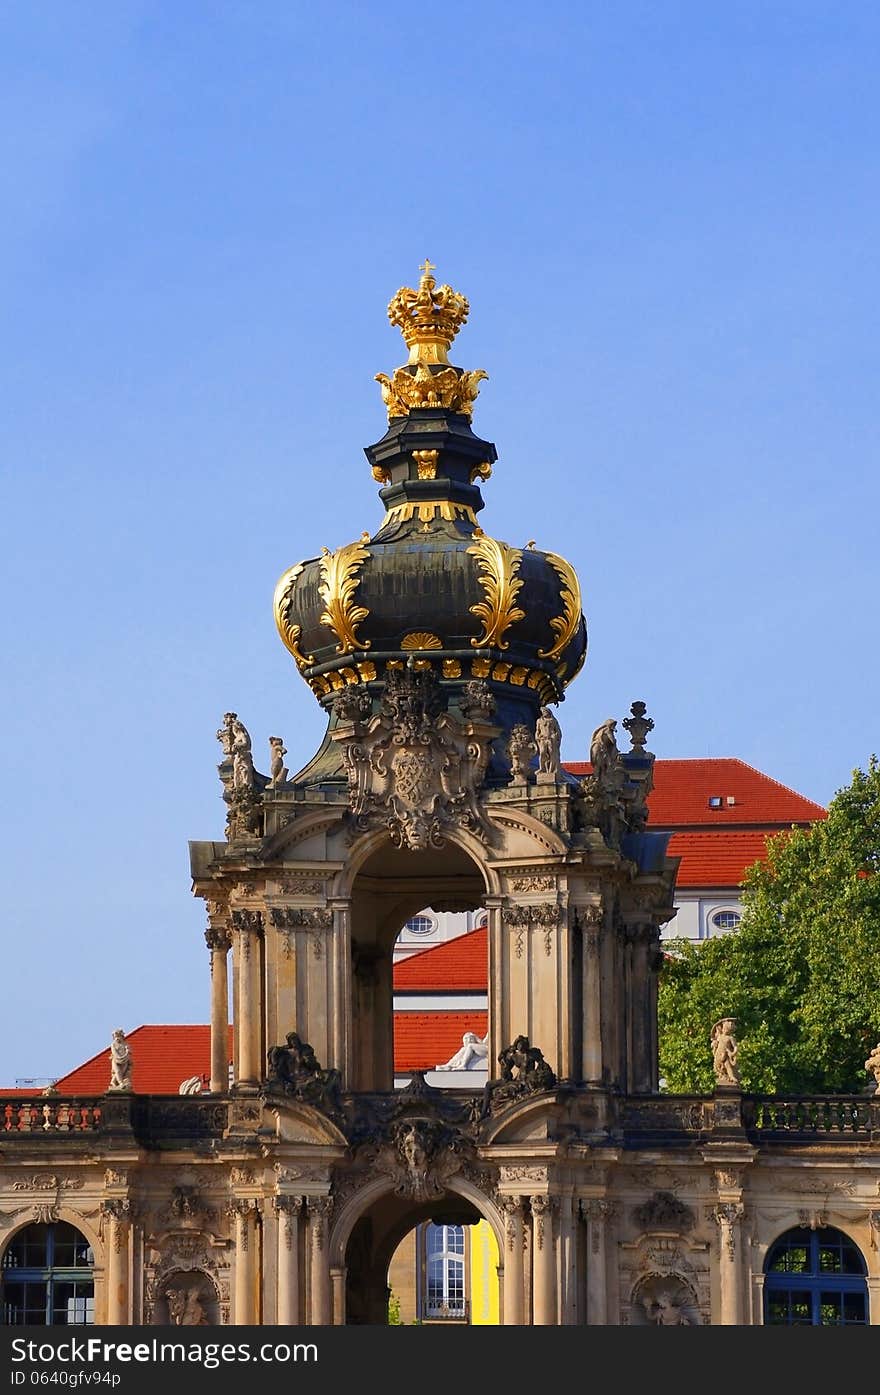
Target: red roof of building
[[162, 1058], [708, 860], [683, 788], [456, 966], [423, 1040]]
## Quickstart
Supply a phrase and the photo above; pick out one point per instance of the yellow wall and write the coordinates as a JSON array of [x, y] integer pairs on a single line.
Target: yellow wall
[[484, 1276]]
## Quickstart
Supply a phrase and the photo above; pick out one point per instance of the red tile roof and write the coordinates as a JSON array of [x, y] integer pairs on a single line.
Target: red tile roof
[[717, 860], [458, 965], [423, 1040], [683, 788], [162, 1057]]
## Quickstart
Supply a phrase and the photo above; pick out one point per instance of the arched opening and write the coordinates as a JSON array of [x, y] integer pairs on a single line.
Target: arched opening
[[392, 887], [815, 1278], [424, 1263], [47, 1277]]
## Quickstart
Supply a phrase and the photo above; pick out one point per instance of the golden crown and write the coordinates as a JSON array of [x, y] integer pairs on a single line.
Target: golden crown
[[428, 318]]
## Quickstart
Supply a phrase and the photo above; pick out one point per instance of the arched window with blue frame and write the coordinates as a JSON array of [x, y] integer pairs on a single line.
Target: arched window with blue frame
[[47, 1278], [815, 1278]]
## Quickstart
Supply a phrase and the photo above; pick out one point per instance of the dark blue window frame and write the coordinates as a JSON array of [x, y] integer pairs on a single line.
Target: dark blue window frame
[[815, 1278], [48, 1278]]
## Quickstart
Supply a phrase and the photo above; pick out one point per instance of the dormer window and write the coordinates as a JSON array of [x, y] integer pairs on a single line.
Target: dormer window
[[715, 801]]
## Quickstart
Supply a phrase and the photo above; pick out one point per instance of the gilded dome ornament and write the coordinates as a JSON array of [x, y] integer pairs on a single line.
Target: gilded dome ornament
[[290, 633], [564, 626], [498, 564], [429, 319], [340, 580]]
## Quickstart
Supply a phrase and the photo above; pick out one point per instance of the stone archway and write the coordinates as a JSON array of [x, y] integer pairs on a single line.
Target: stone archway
[[371, 1227], [390, 886]]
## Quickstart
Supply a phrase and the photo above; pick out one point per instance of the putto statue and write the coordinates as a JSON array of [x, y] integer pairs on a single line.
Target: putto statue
[[724, 1052], [120, 1062], [277, 768], [523, 1072], [872, 1066], [548, 738]]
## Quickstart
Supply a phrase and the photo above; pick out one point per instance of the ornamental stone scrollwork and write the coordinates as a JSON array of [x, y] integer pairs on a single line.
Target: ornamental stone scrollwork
[[319, 1211], [217, 939], [598, 1212], [246, 923], [119, 1211], [48, 1182], [812, 1219], [419, 1156], [664, 1301], [317, 919], [519, 1173], [513, 1209], [287, 1209], [188, 1206], [727, 1216], [545, 916], [663, 1211], [544, 1209], [301, 884], [413, 767], [537, 883]]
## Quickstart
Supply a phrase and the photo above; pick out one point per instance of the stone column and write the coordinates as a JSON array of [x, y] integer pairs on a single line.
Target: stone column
[[319, 1208], [341, 989], [568, 1261], [217, 938], [287, 1209], [597, 1212], [116, 1230], [641, 1071], [244, 1297], [247, 925], [337, 1285], [591, 920], [543, 1262], [728, 1215], [514, 1288]]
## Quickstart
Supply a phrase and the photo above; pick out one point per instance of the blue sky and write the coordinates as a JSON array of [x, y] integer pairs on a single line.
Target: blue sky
[[666, 220]]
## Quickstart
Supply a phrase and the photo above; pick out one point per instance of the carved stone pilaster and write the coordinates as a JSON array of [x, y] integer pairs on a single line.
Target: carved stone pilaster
[[727, 1216], [319, 1209], [544, 1208], [513, 1209], [598, 1212], [287, 1208], [246, 923], [317, 919]]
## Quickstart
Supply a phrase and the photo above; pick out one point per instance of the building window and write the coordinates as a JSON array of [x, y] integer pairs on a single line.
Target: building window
[[726, 920], [420, 925], [444, 1272], [815, 1278], [715, 801], [47, 1278]]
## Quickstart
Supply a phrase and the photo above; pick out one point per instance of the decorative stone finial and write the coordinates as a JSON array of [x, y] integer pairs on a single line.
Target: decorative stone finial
[[724, 1052], [638, 726]]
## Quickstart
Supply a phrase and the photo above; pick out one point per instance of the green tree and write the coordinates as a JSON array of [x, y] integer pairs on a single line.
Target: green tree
[[801, 974]]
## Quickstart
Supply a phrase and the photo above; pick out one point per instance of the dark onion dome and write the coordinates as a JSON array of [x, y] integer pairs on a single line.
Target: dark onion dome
[[430, 584]]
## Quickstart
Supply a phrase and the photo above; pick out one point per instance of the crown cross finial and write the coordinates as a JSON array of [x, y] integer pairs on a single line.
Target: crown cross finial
[[427, 267]]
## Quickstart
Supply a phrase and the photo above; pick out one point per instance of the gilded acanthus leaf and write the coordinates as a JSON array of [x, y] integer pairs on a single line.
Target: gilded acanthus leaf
[[499, 564], [340, 580], [564, 626], [290, 633]]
